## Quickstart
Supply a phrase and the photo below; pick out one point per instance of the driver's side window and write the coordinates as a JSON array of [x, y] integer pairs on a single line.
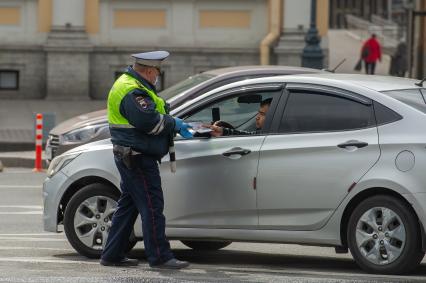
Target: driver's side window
[[237, 112]]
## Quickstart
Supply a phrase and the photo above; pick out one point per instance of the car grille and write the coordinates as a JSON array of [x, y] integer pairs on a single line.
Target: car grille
[[53, 142]]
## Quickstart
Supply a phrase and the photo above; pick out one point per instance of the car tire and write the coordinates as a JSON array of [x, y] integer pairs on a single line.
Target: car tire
[[384, 236], [103, 195], [206, 245]]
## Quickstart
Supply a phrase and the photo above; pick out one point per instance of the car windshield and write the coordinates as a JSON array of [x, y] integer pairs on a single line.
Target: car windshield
[[414, 97], [184, 85]]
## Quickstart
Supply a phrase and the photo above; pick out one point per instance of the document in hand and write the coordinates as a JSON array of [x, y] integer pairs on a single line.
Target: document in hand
[[199, 127]]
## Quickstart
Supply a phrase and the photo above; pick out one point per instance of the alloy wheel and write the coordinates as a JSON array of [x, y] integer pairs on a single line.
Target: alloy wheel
[[92, 221], [380, 235]]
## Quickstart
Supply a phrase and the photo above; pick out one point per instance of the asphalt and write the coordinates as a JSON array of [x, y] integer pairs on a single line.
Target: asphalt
[[17, 117], [29, 254]]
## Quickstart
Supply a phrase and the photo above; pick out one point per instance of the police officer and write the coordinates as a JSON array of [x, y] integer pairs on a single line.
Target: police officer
[[141, 133]]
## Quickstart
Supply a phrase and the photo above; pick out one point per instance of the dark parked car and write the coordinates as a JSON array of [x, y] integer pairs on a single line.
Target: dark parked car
[[94, 126]]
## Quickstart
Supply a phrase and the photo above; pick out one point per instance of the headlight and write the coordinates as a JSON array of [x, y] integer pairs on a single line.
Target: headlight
[[60, 162], [84, 134]]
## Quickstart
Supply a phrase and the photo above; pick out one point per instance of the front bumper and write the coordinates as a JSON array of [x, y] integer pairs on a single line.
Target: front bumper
[[52, 194]]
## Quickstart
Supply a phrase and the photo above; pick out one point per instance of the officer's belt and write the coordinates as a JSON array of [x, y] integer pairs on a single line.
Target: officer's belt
[[122, 149], [136, 152]]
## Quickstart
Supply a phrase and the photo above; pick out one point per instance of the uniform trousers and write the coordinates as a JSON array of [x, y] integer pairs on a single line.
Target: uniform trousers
[[141, 193]]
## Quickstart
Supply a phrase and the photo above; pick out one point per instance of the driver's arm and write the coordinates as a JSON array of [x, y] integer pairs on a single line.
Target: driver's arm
[[234, 132], [221, 131]]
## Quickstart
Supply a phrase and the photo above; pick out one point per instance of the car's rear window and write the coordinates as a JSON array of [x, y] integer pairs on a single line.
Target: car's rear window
[[413, 97], [184, 85]]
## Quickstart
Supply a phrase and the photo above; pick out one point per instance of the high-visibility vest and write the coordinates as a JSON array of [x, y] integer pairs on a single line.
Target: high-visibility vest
[[122, 86]]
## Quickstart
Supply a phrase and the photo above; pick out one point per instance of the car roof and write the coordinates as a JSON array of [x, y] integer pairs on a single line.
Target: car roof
[[377, 83], [248, 70], [221, 75]]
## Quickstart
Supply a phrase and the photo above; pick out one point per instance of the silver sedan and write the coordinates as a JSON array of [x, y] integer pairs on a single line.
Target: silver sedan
[[339, 162]]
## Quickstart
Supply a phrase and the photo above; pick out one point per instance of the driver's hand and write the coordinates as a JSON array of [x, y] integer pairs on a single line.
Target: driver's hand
[[216, 130]]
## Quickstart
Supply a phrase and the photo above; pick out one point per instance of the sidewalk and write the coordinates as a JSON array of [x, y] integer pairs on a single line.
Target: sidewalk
[[17, 118], [21, 159], [344, 44]]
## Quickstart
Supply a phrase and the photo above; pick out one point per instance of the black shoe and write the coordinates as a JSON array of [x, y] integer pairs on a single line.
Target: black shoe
[[124, 262], [172, 264]]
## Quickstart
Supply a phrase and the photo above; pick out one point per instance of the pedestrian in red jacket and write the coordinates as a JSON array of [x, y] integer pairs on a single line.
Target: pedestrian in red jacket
[[370, 53]]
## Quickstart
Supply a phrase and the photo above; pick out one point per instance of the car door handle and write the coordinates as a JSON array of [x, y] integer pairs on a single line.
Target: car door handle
[[236, 151], [357, 144]]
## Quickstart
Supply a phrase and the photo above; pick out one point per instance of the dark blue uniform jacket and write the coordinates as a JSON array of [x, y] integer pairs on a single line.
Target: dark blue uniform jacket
[[153, 132]]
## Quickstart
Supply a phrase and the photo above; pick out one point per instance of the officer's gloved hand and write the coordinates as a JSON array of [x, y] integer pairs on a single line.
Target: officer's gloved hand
[[182, 128], [185, 133]]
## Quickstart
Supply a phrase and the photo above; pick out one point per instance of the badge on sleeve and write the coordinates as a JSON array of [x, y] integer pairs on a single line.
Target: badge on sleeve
[[142, 102]]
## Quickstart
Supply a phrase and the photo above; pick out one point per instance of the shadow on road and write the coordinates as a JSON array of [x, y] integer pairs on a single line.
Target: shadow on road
[[256, 259], [244, 259]]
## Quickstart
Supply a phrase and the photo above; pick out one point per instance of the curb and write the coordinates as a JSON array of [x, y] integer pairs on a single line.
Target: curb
[[20, 162], [16, 146]]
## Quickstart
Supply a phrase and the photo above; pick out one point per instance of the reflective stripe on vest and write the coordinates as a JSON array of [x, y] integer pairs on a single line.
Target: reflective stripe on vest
[[121, 126], [122, 86]]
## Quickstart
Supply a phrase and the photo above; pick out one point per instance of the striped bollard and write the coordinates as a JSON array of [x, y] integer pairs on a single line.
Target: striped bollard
[[38, 143]]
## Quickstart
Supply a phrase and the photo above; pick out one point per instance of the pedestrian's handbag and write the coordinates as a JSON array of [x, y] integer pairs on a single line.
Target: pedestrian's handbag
[[358, 65], [365, 52]]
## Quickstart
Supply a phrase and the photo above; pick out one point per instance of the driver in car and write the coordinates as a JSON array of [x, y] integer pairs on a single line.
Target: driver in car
[[221, 128]]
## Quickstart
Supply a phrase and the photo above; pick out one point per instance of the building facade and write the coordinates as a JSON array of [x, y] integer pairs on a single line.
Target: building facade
[[62, 49]]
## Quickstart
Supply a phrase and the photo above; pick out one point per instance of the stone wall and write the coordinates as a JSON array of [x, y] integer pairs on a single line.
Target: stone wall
[[31, 64], [68, 63], [183, 23], [46, 73]]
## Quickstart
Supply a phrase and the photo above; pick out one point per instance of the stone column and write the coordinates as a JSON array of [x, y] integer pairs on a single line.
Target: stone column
[[68, 52], [295, 23]]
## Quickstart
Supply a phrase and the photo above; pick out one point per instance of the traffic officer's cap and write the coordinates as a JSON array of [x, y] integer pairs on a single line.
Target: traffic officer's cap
[[151, 59]]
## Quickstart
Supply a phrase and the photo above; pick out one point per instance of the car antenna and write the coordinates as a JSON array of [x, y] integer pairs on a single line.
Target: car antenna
[[335, 68], [420, 84]]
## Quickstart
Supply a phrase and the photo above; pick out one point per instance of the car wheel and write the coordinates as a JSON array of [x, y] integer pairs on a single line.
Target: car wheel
[[384, 236], [206, 245], [87, 219]]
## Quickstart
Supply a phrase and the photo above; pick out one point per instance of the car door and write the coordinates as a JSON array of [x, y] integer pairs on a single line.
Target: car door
[[213, 185], [324, 142]]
